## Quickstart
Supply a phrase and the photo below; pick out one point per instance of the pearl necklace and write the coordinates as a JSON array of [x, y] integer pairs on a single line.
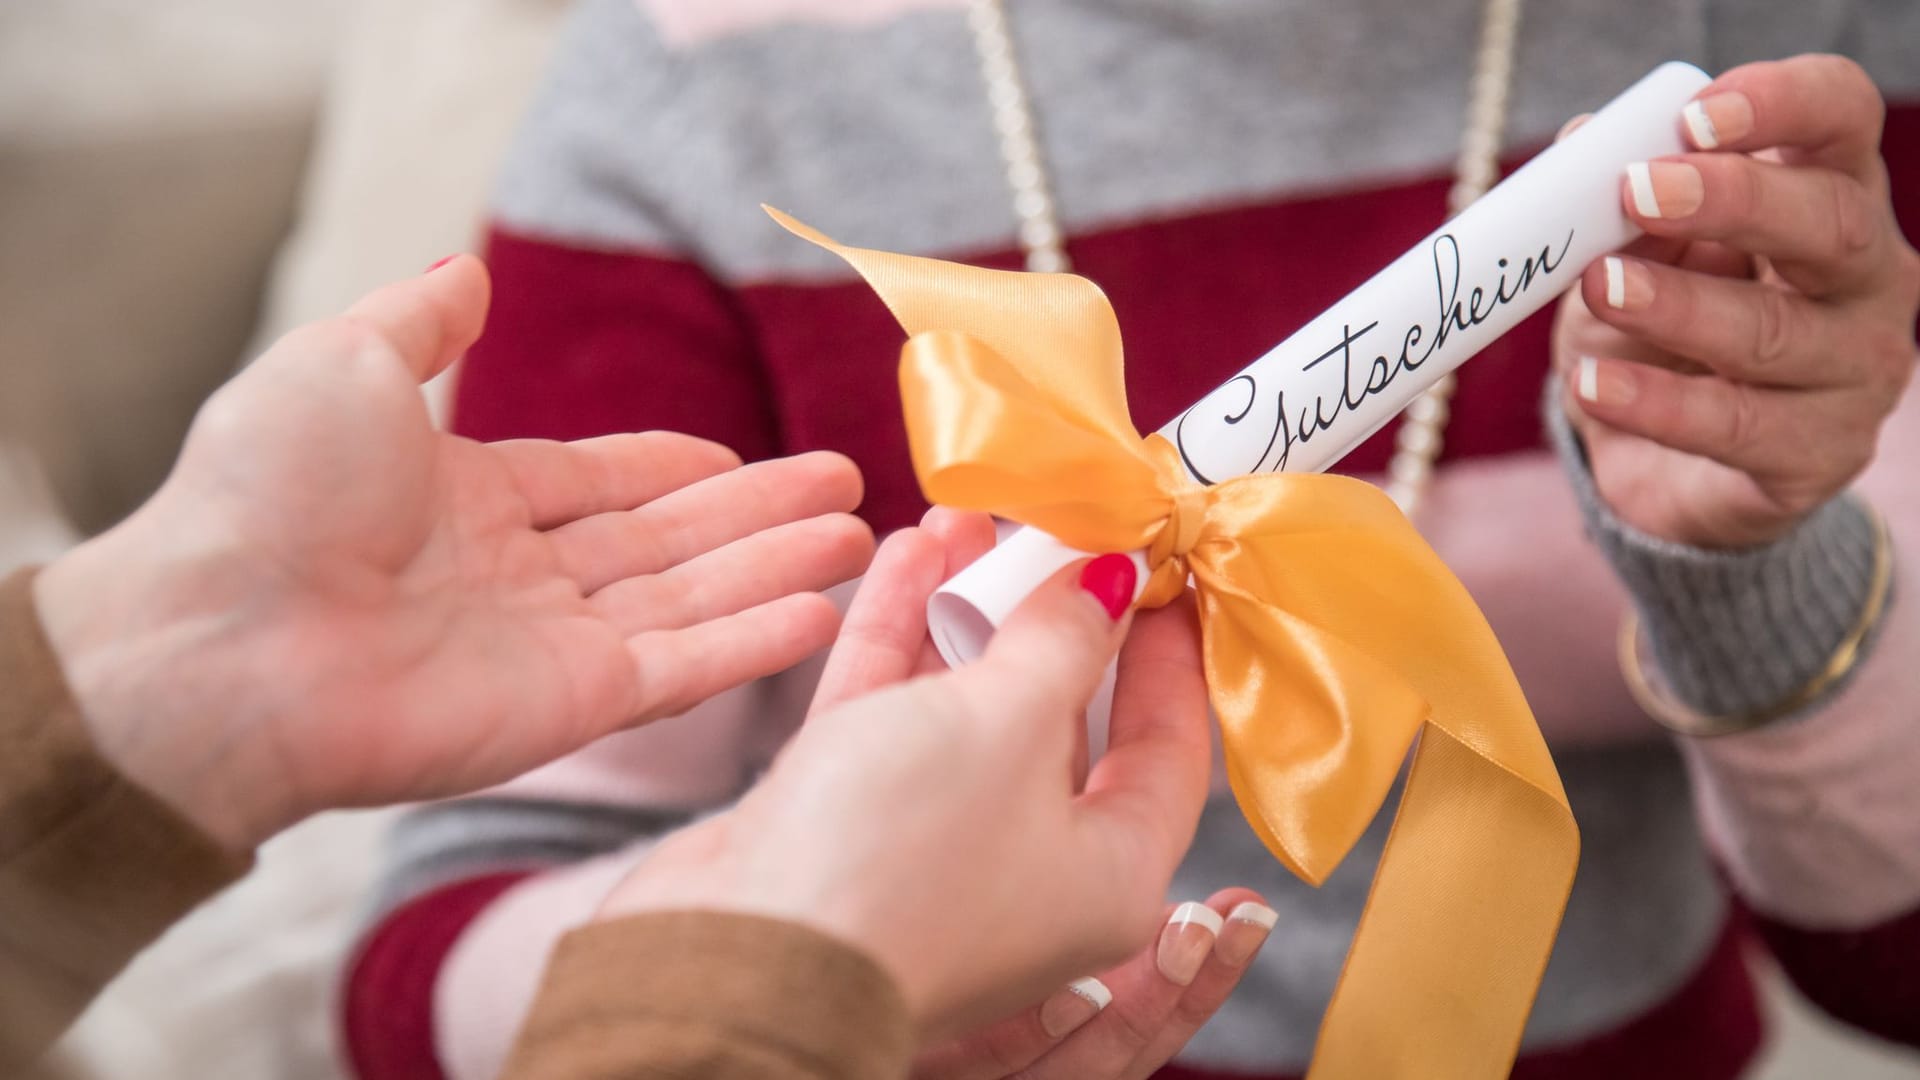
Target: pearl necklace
[[1476, 168]]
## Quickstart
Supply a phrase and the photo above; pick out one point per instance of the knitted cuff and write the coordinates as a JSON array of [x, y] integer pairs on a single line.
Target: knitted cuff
[[1734, 632]]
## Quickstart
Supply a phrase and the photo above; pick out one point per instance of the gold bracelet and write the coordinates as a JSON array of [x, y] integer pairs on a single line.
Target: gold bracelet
[[1678, 718]]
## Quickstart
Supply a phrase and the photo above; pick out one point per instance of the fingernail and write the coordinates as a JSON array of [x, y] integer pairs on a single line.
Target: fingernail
[[1572, 126], [1186, 941], [1629, 285], [441, 263], [1110, 579], [1718, 118], [1073, 1005], [1248, 925], [1611, 385], [1665, 189]]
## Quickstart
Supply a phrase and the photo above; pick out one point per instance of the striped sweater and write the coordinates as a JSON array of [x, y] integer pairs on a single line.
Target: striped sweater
[[1225, 169]]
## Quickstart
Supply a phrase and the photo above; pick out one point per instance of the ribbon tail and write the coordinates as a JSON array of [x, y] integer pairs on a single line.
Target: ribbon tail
[[1458, 926], [1475, 875]]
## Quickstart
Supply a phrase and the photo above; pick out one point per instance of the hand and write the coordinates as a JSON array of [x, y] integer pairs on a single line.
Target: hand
[[1730, 372], [330, 603], [1131, 1020], [937, 819]]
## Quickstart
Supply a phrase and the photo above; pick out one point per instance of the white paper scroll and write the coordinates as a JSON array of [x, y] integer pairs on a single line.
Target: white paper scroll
[[1320, 393]]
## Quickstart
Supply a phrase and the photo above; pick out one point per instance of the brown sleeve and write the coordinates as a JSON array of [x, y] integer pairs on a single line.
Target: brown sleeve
[[710, 996], [92, 868]]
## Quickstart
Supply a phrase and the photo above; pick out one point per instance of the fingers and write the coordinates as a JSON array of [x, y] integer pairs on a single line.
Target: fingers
[[1163, 994], [677, 669], [801, 556], [1047, 659], [1152, 782], [432, 319], [1756, 430], [1247, 924], [885, 629], [1003, 1049], [704, 516], [565, 481], [1825, 109], [884, 637], [1824, 231], [1746, 330], [967, 535]]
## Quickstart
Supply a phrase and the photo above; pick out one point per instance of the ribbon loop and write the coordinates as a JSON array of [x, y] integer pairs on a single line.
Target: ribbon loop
[[1332, 637]]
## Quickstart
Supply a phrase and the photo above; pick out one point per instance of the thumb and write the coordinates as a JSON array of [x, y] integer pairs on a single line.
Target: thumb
[[432, 319], [1049, 656]]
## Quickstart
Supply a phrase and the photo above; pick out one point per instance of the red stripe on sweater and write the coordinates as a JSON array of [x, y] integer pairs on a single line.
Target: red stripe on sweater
[[1710, 1029], [1900, 146], [586, 342], [1868, 978], [582, 343], [387, 1006]]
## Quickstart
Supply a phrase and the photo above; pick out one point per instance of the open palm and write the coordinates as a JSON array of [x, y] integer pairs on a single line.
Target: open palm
[[366, 609]]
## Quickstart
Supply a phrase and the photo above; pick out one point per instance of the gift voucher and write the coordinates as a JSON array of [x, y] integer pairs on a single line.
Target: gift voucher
[[1344, 375], [1323, 391]]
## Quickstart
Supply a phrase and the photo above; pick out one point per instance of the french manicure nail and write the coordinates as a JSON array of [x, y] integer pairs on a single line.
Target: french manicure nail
[[1629, 286], [1186, 941], [1073, 1005], [1665, 189], [1612, 385], [1718, 118], [440, 264], [1110, 578], [1248, 925]]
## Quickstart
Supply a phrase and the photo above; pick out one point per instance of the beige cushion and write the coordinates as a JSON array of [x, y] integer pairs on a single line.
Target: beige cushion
[[150, 155], [418, 111], [426, 96]]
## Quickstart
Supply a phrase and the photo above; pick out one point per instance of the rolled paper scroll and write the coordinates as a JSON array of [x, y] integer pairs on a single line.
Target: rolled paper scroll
[[1307, 403]]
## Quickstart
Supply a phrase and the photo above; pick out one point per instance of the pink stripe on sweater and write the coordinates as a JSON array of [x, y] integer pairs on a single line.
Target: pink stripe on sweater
[[685, 23]]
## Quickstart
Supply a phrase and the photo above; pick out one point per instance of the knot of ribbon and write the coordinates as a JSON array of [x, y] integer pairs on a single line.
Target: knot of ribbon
[[1333, 636], [1176, 539]]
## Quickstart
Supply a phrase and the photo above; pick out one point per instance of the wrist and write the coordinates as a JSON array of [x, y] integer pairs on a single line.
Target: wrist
[[143, 621], [1740, 633]]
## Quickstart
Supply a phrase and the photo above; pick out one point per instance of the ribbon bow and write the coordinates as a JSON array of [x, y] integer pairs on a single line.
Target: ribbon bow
[[1333, 635]]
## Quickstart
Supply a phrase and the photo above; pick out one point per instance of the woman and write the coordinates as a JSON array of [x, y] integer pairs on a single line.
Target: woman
[[1224, 172]]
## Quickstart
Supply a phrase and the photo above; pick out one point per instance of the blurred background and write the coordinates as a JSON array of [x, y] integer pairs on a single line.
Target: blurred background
[[180, 182]]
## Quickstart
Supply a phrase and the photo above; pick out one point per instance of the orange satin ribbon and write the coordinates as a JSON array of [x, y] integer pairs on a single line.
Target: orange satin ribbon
[[1333, 636]]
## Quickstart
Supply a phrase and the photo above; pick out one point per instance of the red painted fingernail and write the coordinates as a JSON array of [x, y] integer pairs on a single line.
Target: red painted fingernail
[[441, 263], [1110, 579]]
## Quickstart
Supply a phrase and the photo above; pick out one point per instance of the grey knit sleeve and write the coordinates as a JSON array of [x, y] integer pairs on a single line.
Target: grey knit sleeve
[[1734, 631]]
